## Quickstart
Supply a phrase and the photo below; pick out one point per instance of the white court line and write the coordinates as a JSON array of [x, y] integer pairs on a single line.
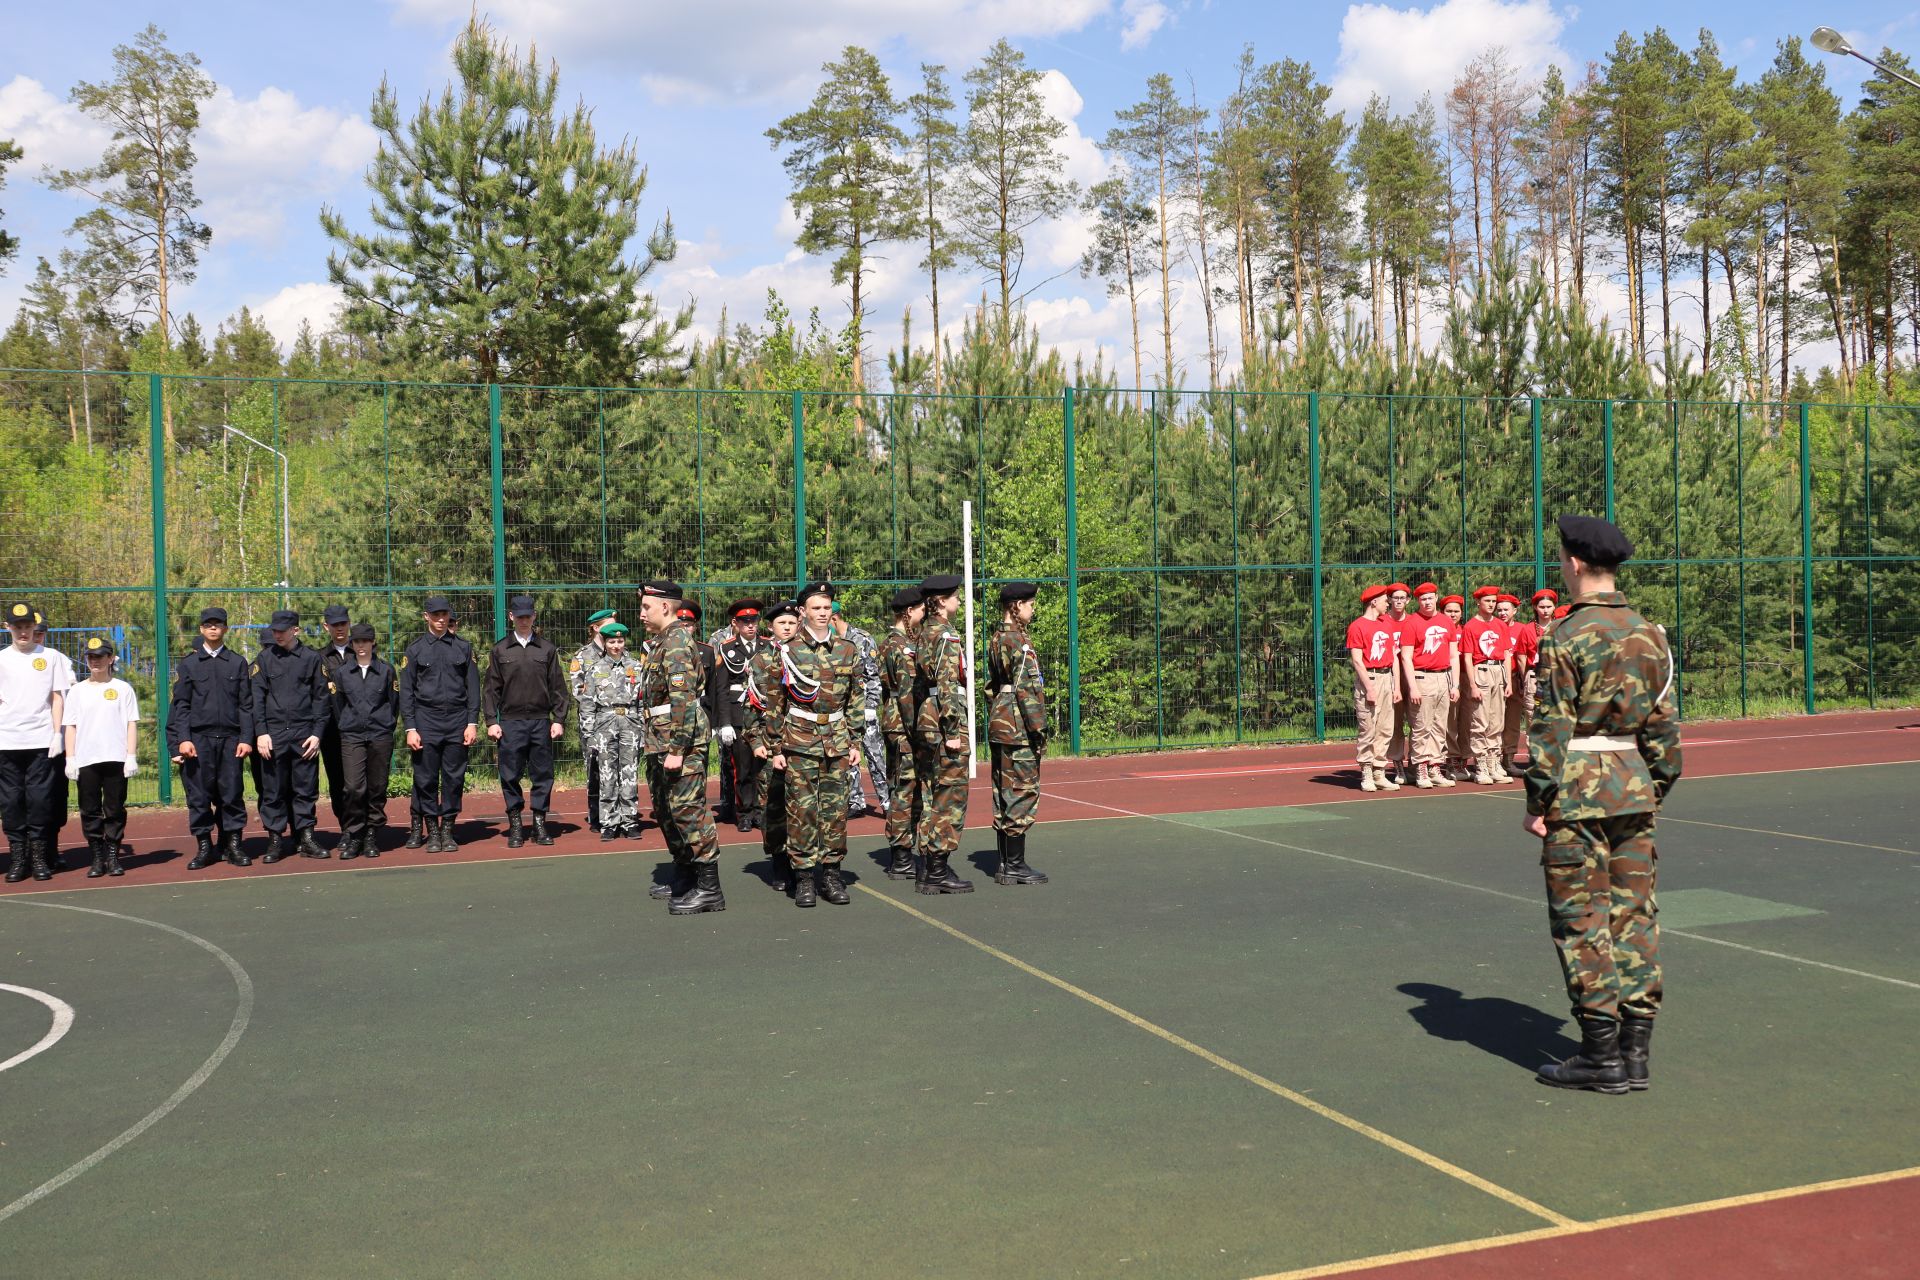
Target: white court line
[[62, 1023], [1478, 888], [242, 1015]]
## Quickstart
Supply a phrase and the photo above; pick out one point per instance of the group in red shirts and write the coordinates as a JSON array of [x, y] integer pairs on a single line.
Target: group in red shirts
[[1437, 701]]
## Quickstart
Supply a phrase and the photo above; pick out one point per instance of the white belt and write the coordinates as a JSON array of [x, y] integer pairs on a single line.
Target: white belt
[[1006, 688], [831, 717], [664, 708], [1602, 743]]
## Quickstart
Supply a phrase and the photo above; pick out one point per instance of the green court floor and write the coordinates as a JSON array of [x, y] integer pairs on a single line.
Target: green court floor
[[525, 1068]]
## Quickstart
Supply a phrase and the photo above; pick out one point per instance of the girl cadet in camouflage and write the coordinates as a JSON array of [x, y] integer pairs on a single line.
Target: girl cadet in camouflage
[[898, 711], [1606, 751], [821, 673], [941, 747], [608, 691], [1016, 732], [672, 684]]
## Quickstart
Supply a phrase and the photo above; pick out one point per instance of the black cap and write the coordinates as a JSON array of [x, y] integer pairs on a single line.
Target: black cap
[[689, 609], [1596, 541], [810, 589], [738, 607], [361, 631], [335, 613], [20, 611], [213, 613], [661, 588], [98, 647], [436, 604], [520, 607], [1014, 592], [905, 598], [39, 620], [780, 609], [284, 619], [940, 584]]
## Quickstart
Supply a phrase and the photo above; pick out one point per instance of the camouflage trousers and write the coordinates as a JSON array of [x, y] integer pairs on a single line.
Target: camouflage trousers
[[681, 801], [1600, 902], [1016, 788], [873, 754], [616, 747], [770, 795], [1513, 731], [903, 793], [816, 810], [943, 796]]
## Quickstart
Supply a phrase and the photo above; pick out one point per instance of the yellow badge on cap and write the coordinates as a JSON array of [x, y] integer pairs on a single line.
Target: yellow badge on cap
[[39, 664], [21, 611], [111, 695]]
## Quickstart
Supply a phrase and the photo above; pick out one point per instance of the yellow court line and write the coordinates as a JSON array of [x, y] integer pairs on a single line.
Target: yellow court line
[[1320, 1109], [1584, 1228]]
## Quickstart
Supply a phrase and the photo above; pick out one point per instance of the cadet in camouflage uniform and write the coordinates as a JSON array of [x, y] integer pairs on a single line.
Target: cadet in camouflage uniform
[[672, 686], [868, 731], [763, 726], [821, 676], [1606, 751], [1016, 732], [941, 747], [608, 692], [588, 654], [899, 708]]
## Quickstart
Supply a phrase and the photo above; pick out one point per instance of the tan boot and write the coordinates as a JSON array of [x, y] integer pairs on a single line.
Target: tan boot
[[1441, 778], [1422, 778], [1386, 780], [1481, 774], [1366, 779]]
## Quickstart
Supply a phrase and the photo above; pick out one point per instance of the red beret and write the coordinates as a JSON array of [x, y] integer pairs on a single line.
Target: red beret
[[1505, 598], [1546, 593], [1426, 587], [1399, 586], [1563, 611], [1480, 593], [1459, 600], [1369, 593]]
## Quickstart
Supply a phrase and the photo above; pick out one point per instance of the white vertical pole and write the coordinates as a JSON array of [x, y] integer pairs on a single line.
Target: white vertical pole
[[966, 577]]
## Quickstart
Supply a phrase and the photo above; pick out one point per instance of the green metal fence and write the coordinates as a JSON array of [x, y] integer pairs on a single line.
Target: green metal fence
[[1203, 552]]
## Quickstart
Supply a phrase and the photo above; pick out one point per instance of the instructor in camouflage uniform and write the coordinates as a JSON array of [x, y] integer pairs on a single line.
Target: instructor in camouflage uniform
[[941, 747], [818, 745], [1016, 732], [1606, 751], [609, 696], [672, 686], [899, 708]]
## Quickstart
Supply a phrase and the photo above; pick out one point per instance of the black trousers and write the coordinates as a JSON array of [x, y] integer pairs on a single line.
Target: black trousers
[[365, 768], [739, 777], [216, 794], [289, 787], [103, 802], [24, 793], [336, 781], [526, 751], [57, 798], [439, 775]]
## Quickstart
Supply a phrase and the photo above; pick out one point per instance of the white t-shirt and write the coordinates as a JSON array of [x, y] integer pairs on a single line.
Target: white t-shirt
[[100, 713], [26, 682]]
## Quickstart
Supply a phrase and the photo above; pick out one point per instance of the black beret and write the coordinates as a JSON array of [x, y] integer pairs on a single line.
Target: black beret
[[361, 631], [907, 597], [940, 584], [663, 588], [1595, 541], [520, 607], [213, 613], [335, 613], [738, 607], [284, 619], [781, 609], [1014, 592], [808, 589], [436, 604]]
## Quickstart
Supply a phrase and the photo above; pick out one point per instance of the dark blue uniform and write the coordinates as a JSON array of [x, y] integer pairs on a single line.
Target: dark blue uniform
[[290, 704], [213, 709], [366, 707], [525, 694], [333, 656], [439, 698]]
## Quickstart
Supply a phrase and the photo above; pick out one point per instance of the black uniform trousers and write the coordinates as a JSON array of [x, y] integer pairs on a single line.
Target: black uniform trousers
[[526, 751], [57, 798], [439, 773], [365, 768], [216, 795], [289, 788], [331, 758], [103, 802], [740, 778], [24, 793]]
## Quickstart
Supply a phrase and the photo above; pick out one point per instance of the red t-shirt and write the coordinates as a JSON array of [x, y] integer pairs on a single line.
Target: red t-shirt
[[1526, 645], [1486, 639], [1428, 638], [1377, 639]]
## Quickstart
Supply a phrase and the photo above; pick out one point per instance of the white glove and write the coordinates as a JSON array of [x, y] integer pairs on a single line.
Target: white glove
[[73, 769], [53, 752], [130, 768], [727, 734]]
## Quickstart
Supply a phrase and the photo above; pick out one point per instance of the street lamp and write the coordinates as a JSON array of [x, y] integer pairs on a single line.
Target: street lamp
[[1833, 42], [286, 518]]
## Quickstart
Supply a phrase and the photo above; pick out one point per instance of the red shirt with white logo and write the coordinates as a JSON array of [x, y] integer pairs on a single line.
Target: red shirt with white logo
[[1486, 640], [1526, 645], [1377, 640], [1428, 638]]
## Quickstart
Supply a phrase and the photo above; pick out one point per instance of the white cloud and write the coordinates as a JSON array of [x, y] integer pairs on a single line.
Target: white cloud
[[49, 130], [1401, 54], [314, 302], [1143, 18], [765, 49]]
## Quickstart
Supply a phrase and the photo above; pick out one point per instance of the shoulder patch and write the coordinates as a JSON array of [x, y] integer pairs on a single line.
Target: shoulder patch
[[403, 662], [332, 688], [254, 670], [574, 666]]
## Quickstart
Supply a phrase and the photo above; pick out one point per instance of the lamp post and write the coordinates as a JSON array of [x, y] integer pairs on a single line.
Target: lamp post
[[1833, 42], [286, 517]]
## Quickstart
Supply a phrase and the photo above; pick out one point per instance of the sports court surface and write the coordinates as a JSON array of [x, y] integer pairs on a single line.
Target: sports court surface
[[1258, 1025]]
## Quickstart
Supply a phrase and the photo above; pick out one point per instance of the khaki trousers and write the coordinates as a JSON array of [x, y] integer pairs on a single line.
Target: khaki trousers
[[1430, 717], [1489, 712], [1519, 715], [1375, 718]]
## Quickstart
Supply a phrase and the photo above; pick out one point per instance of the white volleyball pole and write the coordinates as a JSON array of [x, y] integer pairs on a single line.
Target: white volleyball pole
[[966, 575]]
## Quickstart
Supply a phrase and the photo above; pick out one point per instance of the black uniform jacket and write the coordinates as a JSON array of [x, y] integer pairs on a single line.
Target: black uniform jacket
[[524, 682], [211, 695], [289, 694], [439, 685], [366, 705]]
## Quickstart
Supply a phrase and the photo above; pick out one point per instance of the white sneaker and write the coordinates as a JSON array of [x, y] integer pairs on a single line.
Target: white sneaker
[[1387, 783], [1422, 778], [1442, 780]]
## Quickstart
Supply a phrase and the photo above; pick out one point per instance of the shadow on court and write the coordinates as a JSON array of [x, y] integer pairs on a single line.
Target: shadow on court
[[1504, 1028]]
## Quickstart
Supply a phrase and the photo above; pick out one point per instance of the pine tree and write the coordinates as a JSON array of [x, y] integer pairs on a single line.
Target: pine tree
[[1153, 136], [9, 245], [934, 146], [1886, 201], [1306, 188], [1123, 237], [1235, 182], [1716, 129]]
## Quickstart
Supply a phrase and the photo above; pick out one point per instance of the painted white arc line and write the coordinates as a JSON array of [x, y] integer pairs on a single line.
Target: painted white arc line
[[62, 1023], [242, 1015]]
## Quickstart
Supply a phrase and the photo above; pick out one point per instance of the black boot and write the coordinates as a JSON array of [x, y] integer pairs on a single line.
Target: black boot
[[350, 846], [540, 836], [233, 853], [370, 845], [37, 860], [416, 833], [112, 849], [705, 894], [937, 877], [98, 848], [308, 846], [1597, 1066], [1013, 862], [1636, 1045], [902, 868], [203, 854], [276, 849], [515, 836], [609, 833], [831, 887], [433, 844], [50, 850], [679, 882], [16, 861], [802, 887]]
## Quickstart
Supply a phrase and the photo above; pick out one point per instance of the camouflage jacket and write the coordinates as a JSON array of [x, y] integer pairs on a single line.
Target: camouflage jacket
[[673, 687], [943, 684], [897, 700], [583, 657], [606, 687], [1603, 673], [822, 688], [766, 700], [870, 685], [1018, 699]]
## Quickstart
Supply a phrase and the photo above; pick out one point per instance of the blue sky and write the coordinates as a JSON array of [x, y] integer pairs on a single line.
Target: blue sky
[[696, 86]]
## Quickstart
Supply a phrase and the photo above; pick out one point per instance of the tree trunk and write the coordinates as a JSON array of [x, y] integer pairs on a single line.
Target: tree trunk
[[1886, 372], [1786, 292], [933, 274], [1206, 263], [1166, 281]]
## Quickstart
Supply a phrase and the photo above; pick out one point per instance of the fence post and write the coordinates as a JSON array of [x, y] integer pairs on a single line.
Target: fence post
[[1073, 580], [162, 640], [799, 492], [1539, 507], [1806, 556], [1606, 452], [1233, 529], [496, 446], [1313, 533], [1866, 501], [1740, 526]]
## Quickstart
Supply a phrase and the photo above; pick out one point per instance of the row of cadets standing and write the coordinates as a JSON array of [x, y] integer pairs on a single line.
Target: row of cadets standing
[[34, 686]]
